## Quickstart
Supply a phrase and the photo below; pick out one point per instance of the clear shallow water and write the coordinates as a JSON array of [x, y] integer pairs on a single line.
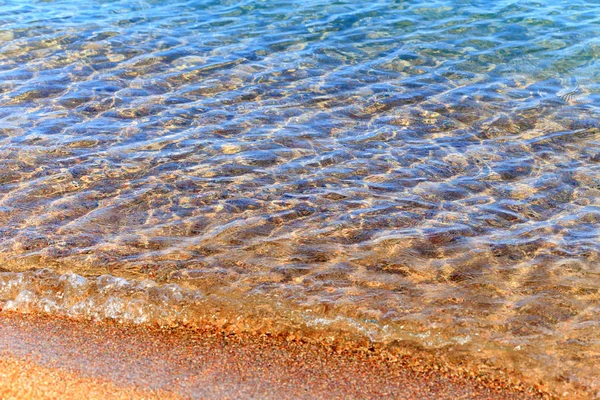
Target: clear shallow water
[[398, 170]]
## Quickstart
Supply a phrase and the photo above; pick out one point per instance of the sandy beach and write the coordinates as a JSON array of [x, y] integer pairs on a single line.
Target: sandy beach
[[46, 357]]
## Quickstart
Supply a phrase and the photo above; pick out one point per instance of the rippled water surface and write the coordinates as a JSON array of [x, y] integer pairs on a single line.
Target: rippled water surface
[[423, 171]]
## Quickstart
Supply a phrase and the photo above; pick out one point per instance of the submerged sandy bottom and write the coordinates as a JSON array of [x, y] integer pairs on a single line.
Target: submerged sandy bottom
[[43, 357]]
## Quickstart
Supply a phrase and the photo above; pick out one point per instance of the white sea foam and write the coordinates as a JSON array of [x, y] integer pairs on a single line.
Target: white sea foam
[[105, 297]]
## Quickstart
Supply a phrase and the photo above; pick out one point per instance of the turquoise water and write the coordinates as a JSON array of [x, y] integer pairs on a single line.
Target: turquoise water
[[398, 171]]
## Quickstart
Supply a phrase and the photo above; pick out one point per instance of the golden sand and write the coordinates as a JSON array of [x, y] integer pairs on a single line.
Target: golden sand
[[26, 380], [43, 357]]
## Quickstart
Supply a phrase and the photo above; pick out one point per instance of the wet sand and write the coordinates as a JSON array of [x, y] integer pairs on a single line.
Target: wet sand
[[47, 357]]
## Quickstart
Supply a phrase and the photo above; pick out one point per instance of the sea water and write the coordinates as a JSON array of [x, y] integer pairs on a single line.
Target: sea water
[[393, 171]]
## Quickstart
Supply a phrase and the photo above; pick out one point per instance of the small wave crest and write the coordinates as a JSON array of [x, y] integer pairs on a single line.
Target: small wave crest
[[147, 302], [104, 297]]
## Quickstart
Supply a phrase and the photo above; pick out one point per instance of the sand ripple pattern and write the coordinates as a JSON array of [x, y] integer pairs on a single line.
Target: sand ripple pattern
[[430, 169]]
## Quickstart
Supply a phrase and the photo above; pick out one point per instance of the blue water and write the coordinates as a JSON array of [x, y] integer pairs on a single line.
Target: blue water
[[424, 172]]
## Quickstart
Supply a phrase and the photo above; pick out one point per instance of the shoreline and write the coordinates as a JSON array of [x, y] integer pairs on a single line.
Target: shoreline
[[179, 363]]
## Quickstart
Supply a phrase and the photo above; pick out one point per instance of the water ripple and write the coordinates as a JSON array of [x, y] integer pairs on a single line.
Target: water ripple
[[430, 168]]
